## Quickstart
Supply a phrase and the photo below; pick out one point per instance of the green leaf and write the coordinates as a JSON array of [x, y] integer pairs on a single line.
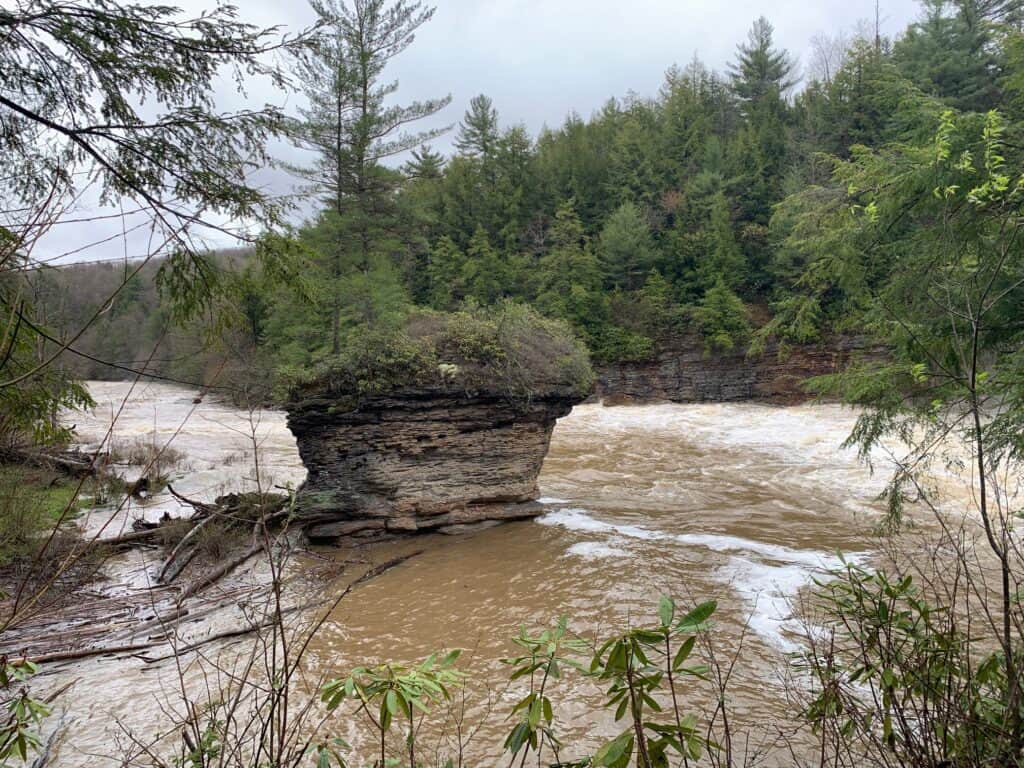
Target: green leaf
[[694, 620], [666, 610], [616, 753], [683, 653], [391, 701], [533, 718]]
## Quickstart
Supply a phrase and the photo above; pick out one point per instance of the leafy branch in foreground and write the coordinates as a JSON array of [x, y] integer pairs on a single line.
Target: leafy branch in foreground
[[24, 714], [545, 656], [641, 665], [116, 104], [644, 667], [901, 676], [389, 690], [927, 242]]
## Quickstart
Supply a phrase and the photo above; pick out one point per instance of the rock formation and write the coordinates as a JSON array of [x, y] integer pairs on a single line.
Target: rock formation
[[422, 459], [439, 425], [683, 372]]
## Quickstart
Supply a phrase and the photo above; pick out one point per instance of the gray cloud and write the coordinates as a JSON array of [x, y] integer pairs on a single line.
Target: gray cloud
[[539, 60]]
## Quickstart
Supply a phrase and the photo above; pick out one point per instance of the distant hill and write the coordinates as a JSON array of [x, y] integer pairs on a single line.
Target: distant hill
[[133, 329]]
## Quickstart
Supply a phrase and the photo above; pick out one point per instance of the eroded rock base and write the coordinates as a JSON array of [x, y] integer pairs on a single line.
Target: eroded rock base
[[421, 461]]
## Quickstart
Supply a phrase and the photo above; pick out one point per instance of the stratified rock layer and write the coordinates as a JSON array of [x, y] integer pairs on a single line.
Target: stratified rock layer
[[683, 372], [422, 459]]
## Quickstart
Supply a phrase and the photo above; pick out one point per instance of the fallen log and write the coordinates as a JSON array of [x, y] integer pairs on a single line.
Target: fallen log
[[221, 571], [88, 653], [73, 463], [166, 578], [135, 538], [200, 507], [232, 633], [182, 564]]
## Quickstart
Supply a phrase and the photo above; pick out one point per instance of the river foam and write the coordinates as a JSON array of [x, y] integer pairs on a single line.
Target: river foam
[[767, 577]]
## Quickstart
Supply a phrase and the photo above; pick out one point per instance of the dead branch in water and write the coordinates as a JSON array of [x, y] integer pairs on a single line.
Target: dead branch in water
[[201, 508], [242, 632], [233, 510], [88, 653], [217, 573], [180, 613], [172, 566], [383, 568]]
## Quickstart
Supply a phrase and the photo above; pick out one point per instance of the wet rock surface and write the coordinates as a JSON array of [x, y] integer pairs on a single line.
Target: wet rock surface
[[683, 372], [421, 460]]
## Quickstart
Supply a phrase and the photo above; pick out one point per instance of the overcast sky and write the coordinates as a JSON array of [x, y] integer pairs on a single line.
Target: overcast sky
[[540, 59]]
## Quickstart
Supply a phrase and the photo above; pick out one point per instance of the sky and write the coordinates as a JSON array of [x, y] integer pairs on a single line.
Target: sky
[[540, 59]]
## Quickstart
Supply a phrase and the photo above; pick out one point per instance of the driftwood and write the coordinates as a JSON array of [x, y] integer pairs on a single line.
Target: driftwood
[[178, 611], [370, 574], [233, 510], [74, 463], [128, 540], [172, 565], [377, 570], [229, 634], [88, 653], [219, 572], [201, 508]]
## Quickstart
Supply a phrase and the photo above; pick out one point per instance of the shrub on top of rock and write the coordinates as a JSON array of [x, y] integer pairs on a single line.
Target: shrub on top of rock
[[508, 348]]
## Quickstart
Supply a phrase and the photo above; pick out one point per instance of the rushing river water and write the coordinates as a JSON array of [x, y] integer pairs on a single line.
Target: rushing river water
[[744, 504]]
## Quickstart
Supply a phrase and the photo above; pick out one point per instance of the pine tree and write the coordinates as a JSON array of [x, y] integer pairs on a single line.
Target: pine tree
[[761, 72], [686, 124], [722, 318], [725, 262], [486, 279], [478, 131], [515, 185], [626, 250], [950, 54], [569, 262], [760, 158], [446, 269], [425, 164], [352, 125], [566, 230]]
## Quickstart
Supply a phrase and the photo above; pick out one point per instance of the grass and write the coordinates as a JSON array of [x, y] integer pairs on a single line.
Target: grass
[[48, 492], [32, 501], [148, 453]]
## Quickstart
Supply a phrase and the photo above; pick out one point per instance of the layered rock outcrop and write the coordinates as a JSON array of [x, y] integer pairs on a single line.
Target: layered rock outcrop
[[684, 372], [422, 459], [441, 424]]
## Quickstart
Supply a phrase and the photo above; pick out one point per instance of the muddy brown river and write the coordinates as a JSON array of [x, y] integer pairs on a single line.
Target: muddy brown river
[[744, 504]]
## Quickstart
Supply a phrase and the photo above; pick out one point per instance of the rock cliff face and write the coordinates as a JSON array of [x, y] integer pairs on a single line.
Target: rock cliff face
[[684, 373], [421, 459]]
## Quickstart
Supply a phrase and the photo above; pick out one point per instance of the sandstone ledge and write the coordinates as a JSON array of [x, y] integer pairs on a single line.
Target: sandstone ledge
[[683, 372], [421, 459]]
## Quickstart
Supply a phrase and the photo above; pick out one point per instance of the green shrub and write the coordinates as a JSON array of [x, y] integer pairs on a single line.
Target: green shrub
[[623, 345], [508, 348], [722, 319]]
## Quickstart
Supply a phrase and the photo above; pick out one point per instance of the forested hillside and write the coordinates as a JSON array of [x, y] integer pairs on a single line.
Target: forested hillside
[[693, 210], [135, 329]]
